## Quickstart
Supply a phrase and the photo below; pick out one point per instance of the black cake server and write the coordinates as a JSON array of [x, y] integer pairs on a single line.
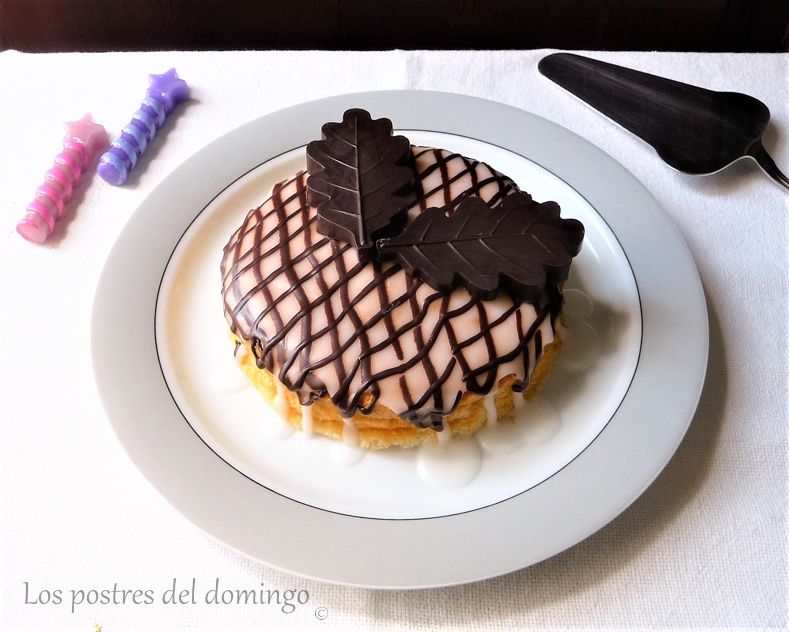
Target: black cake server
[[694, 130]]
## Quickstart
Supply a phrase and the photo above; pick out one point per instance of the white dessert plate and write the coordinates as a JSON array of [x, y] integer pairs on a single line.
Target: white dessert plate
[[613, 411]]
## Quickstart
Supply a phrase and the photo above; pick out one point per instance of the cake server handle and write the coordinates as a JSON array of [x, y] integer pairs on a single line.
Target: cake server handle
[[765, 161]]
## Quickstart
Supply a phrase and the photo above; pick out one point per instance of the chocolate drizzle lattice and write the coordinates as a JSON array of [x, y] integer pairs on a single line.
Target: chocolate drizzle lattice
[[326, 323]]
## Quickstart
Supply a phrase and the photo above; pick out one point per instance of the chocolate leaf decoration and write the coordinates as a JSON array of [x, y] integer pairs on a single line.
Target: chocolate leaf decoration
[[519, 246], [359, 175]]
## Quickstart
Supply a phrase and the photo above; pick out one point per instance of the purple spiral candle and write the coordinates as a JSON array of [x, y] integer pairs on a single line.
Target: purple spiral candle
[[164, 92], [83, 139]]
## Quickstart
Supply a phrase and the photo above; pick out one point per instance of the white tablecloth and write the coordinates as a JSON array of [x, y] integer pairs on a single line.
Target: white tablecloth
[[704, 546]]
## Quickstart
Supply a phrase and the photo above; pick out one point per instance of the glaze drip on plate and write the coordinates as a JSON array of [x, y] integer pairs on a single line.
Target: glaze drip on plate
[[326, 323]]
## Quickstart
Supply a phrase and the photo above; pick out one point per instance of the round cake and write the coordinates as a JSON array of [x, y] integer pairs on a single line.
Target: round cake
[[379, 337]]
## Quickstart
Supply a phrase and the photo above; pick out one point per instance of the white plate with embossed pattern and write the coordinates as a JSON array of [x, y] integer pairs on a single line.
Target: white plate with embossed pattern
[[611, 415]]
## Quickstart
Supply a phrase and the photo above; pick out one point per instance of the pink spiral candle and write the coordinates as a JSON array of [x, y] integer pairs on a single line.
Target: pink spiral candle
[[83, 140]]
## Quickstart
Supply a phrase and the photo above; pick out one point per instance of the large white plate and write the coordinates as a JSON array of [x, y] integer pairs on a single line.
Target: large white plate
[[159, 339]]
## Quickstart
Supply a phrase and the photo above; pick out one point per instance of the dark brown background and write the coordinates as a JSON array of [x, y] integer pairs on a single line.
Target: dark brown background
[[692, 25]]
